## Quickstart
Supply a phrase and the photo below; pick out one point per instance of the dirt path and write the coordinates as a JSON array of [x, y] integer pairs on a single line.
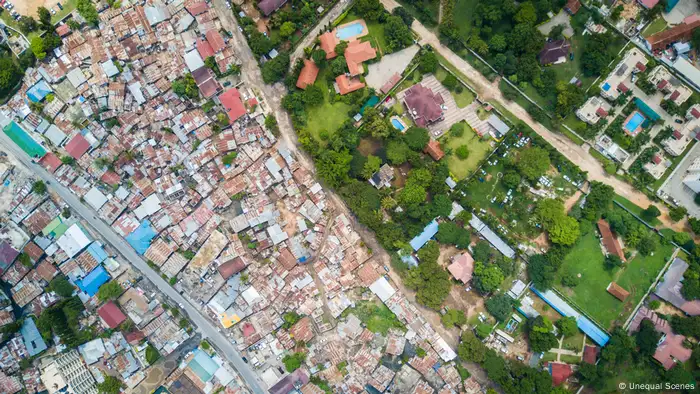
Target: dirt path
[[576, 154]]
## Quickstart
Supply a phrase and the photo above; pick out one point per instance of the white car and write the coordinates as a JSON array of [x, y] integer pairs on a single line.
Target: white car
[[53, 12]]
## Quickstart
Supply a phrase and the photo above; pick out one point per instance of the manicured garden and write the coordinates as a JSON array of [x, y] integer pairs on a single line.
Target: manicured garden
[[325, 119], [376, 34]]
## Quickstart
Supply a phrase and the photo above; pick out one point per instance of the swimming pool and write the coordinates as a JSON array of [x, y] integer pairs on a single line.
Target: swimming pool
[[398, 125], [606, 86], [634, 122], [351, 30], [24, 141]]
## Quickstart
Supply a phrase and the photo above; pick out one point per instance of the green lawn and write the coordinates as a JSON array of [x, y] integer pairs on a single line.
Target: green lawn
[[68, 7], [326, 117], [573, 343], [636, 209], [462, 99], [565, 358], [586, 258], [478, 149], [658, 25]]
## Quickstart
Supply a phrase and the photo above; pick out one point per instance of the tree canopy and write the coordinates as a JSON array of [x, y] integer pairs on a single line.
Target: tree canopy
[[109, 291], [533, 163]]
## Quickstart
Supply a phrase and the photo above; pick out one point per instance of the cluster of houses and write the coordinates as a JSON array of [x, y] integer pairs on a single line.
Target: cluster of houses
[[236, 223], [40, 241]]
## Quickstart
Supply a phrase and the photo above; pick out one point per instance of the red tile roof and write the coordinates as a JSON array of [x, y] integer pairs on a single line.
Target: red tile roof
[[77, 147], [695, 113], [423, 104], [641, 67], [617, 291], [681, 32], [348, 85], [612, 245], [215, 40], [675, 95], [434, 150], [356, 53], [196, 8], [622, 87], [328, 41], [662, 84], [656, 159], [560, 372], [573, 6], [390, 83], [308, 74], [677, 134], [231, 100], [601, 112], [462, 267], [50, 162], [204, 48], [231, 267], [111, 314], [134, 337]]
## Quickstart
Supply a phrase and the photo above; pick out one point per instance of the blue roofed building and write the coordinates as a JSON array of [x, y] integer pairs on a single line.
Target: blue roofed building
[[140, 239], [91, 283], [584, 324], [428, 232], [32, 337], [203, 365], [39, 91], [97, 252]]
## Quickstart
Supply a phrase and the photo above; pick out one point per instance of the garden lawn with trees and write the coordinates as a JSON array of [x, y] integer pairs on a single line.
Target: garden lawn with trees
[[477, 148], [586, 258]]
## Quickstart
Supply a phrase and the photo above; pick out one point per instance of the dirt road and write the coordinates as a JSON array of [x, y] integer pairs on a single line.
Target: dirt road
[[577, 154]]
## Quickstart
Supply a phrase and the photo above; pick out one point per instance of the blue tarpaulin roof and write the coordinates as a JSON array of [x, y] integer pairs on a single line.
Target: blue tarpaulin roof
[[140, 239], [92, 282], [584, 324], [97, 252], [37, 92], [32, 337], [646, 110], [428, 232]]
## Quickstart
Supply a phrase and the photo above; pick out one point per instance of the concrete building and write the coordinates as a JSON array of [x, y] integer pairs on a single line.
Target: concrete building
[[74, 372]]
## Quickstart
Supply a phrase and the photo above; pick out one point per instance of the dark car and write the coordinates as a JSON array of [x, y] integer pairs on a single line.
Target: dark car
[[59, 6], [245, 360], [571, 56], [678, 120]]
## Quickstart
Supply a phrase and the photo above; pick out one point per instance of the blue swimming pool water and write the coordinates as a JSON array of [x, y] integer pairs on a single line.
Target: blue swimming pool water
[[606, 86], [397, 125], [634, 122], [349, 31], [23, 140]]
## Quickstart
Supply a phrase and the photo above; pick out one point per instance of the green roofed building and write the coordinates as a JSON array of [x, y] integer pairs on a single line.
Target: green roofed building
[[49, 229], [203, 365]]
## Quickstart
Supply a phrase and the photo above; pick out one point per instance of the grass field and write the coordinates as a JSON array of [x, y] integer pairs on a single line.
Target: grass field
[[478, 149], [636, 209], [433, 11], [462, 99], [464, 16], [586, 258], [658, 25], [326, 117]]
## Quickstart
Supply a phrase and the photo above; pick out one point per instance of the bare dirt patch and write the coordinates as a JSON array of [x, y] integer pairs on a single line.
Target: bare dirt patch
[[29, 7], [571, 201]]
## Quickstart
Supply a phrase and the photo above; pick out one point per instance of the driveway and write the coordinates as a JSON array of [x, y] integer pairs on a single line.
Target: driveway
[[380, 72], [562, 18]]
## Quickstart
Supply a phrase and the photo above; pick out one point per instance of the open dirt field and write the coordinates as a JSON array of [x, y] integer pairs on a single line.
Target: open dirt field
[[28, 7]]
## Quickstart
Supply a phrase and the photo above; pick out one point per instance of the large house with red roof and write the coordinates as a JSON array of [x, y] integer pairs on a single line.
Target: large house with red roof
[[231, 100], [308, 74], [424, 105]]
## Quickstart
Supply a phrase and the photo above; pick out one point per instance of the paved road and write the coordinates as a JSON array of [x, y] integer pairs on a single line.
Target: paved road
[[576, 154], [203, 325]]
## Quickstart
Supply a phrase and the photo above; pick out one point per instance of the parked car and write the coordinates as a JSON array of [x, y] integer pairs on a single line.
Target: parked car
[[59, 6], [679, 121]]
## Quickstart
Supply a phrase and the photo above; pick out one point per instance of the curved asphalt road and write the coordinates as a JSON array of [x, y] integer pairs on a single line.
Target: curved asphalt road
[[203, 325]]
